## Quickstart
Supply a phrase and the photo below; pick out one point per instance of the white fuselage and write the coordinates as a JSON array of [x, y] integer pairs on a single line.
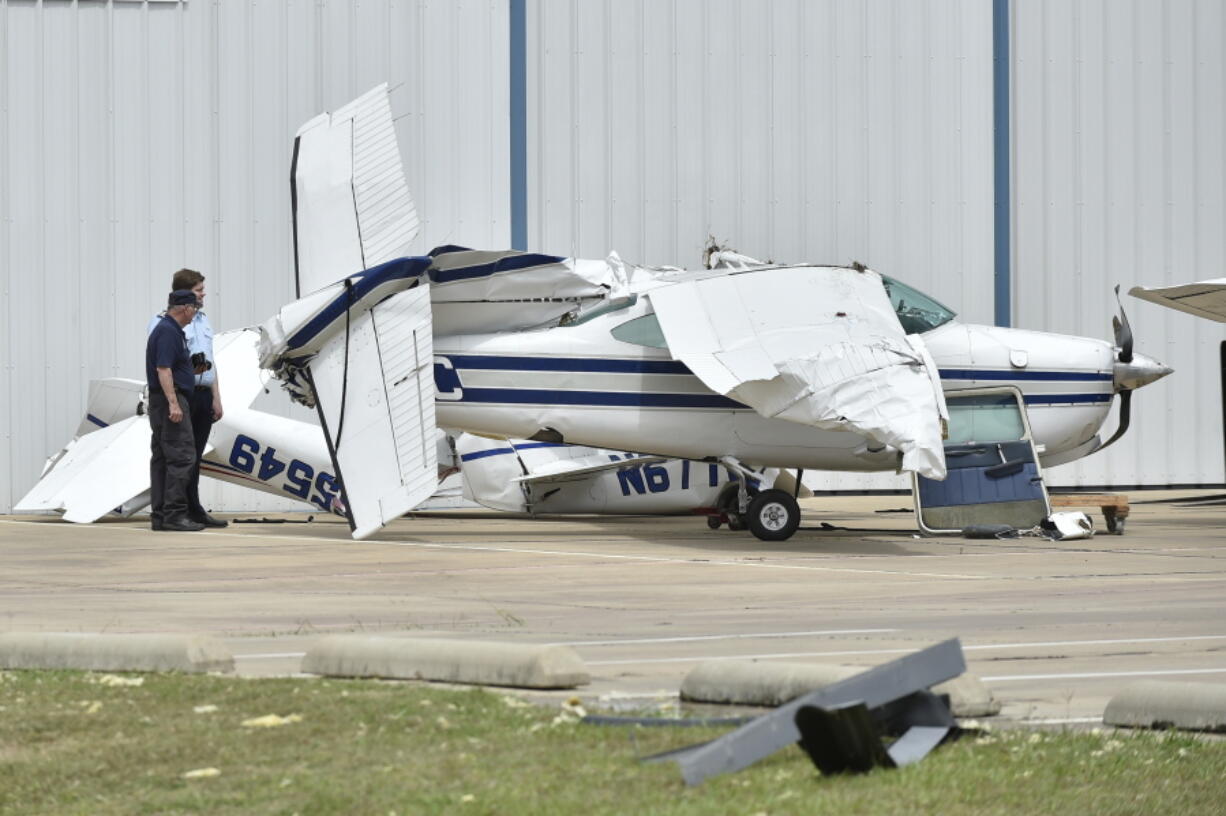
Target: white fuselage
[[593, 389], [596, 390]]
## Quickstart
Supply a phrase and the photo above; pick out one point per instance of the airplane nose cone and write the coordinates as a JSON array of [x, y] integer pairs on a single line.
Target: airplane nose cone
[[1141, 371]]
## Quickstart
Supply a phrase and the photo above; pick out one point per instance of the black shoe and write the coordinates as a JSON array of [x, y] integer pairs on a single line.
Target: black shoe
[[207, 520], [156, 524], [183, 525]]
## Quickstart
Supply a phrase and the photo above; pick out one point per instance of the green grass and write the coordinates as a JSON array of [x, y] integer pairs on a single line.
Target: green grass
[[71, 744]]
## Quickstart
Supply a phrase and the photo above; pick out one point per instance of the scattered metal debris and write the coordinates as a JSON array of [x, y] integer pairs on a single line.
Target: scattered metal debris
[[840, 726]]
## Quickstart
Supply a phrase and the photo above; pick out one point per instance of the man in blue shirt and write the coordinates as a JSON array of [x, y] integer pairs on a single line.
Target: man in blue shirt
[[168, 371], [204, 398]]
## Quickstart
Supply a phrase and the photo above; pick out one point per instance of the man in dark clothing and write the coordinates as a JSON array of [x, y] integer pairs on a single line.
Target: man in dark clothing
[[168, 369], [205, 398]]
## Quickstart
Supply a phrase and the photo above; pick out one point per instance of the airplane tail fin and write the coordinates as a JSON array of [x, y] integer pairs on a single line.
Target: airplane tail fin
[[351, 204], [111, 400]]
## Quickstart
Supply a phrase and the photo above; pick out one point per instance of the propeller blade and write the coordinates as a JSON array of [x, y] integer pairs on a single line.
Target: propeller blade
[[1123, 332], [1125, 418]]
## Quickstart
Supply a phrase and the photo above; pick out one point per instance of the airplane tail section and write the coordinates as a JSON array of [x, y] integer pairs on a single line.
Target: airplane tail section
[[351, 203], [361, 353], [106, 464], [111, 400]]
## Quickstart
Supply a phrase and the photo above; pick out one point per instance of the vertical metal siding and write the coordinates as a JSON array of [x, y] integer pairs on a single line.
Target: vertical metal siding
[[796, 131], [1119, 177], [137, 138]]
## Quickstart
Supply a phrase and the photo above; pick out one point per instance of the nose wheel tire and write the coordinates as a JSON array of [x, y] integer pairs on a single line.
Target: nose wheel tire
[[773, 515]]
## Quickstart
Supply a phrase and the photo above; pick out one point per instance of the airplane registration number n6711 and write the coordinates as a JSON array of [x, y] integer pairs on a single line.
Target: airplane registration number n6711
[[296, 477], [661, 477]]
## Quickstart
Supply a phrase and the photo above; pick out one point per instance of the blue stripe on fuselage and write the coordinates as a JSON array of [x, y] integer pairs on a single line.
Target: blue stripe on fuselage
[[1066, 399], [614, 399], [588, 364], [1027, 376], [630, 399]]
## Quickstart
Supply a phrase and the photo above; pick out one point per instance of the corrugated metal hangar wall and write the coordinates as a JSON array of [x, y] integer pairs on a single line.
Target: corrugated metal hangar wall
[[138, 137]]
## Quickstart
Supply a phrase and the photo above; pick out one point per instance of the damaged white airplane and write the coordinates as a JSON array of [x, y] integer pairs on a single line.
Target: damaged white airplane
[[735, 368]]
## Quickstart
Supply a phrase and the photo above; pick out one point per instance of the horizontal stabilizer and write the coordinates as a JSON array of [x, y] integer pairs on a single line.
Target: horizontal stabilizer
[[374, 383], [96, 473]]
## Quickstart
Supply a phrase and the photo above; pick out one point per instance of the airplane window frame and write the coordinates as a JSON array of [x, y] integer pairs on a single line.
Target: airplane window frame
[[917, 312]]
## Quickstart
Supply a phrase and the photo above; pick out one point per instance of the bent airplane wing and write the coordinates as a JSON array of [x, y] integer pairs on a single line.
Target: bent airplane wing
[[95, 473], [820, 346], [1205, 298]]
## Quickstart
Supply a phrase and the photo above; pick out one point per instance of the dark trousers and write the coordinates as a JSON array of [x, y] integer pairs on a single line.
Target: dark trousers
[[202, 426], [173, 458]]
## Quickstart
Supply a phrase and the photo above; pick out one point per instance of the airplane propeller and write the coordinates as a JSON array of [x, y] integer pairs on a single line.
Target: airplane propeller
[[1123, 332], [1130, 371]]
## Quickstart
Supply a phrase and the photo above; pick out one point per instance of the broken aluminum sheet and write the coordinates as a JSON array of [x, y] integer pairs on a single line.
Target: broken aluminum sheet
[[352, 207], [819, 346], [476, 292], [878, 687], [1205, 298]]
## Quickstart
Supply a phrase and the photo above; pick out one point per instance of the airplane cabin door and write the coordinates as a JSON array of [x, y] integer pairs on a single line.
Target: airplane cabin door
[[994, 474]]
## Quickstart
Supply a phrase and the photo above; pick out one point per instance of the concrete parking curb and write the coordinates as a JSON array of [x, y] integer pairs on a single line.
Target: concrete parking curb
[[1169, 704], [453, 661], [749, 682], [113, 652]]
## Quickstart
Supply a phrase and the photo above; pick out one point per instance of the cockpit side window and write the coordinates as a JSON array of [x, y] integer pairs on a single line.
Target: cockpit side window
[[916, 311], [641, 331]]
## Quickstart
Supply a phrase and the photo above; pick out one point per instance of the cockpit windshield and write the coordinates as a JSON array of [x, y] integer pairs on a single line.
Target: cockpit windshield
[[916, 311]]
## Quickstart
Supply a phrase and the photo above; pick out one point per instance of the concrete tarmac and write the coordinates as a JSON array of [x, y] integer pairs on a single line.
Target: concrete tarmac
[[1054, 629]]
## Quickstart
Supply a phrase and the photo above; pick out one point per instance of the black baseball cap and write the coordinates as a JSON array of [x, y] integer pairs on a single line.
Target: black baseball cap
[[183, 297]]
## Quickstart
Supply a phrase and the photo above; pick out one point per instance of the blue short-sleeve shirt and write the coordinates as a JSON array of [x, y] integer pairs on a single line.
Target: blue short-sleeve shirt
[[167, 348]]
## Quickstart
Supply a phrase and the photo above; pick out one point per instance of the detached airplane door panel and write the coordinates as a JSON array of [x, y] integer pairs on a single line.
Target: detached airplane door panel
[[994, 475]]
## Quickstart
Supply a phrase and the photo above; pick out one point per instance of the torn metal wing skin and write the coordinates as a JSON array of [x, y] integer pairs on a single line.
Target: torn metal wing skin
[[818, 346]]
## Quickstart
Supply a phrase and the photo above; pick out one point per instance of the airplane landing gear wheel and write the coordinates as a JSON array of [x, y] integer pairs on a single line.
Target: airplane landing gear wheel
[[713, 522], [773, 515], [728, 504]]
